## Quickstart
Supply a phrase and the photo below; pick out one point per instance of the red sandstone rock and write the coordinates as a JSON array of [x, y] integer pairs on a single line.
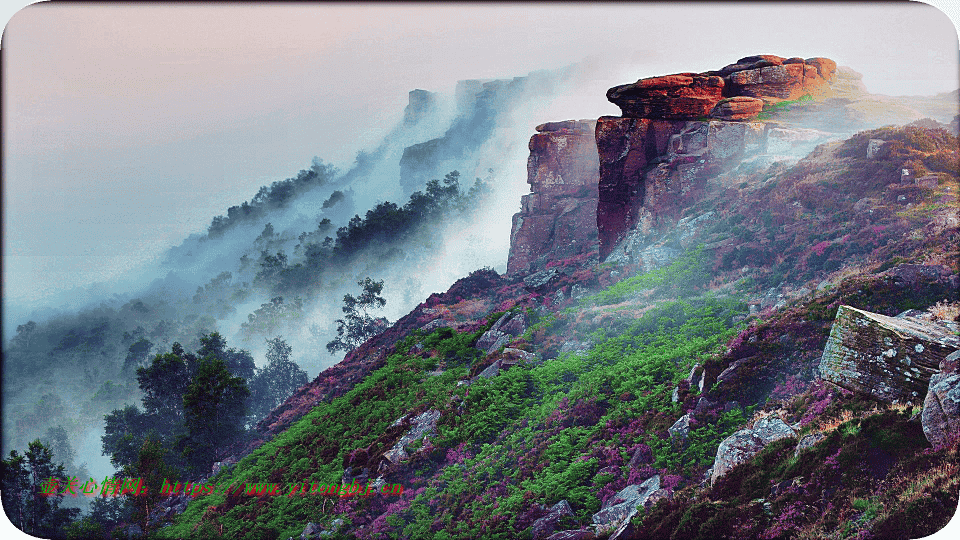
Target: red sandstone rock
[[737, 108], [678, 96], [558, 217], [783, 82]]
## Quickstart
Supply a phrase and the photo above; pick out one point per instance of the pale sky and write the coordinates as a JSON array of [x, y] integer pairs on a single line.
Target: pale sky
[[128, 127]]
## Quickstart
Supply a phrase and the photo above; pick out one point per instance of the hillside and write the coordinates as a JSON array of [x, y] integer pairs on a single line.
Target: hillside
[[730, 312], [664, 373]]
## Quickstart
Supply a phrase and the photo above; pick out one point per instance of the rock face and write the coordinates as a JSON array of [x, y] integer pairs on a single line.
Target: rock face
[[941, 407], [891, 359], [676, 97], [545, 526], [420, 104], [558, 218], [676, 131], [424, 423]]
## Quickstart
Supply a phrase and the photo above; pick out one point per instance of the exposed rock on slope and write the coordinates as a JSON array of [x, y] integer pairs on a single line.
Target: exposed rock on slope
[[655, 159], [941, 407], [889, 358], [558, 218]]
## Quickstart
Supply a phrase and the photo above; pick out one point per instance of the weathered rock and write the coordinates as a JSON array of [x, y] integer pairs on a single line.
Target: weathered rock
[[681, 428], [424, 423], [579, 534], [622, 506], [679, 96], [808, 441], [650, 170], [545, 526], [873, 147], [626, 146], [420, 104], [558, 217], [941, 407], [540, 280], [785, 81], [737, 108], [890, 359], [771, 429], [734, 450], [502, 332]]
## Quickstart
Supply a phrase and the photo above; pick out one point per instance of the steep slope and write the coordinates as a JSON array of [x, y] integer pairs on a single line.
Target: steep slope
[[677, 391]]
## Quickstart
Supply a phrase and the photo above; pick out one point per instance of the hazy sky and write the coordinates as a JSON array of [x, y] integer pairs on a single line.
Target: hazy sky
[[128, 127]]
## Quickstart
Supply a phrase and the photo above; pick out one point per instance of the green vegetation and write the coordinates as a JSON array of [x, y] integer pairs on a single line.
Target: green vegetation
[[685, 276]]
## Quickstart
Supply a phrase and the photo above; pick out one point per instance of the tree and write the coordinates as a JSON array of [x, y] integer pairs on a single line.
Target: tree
[[137, 353], [124, 433], [280, 378], [152, 469], [238, 362], [214, 407], [33, 491], [358, 325]]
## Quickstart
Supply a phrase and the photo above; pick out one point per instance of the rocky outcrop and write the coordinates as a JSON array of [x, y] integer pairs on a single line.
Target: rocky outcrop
[[502, 332], [420, 104], [672, 97], [676, 131], [941, 407], [424, 423], [558, 218], [746, 443], [547, 525], [890, 359], [622, 506]]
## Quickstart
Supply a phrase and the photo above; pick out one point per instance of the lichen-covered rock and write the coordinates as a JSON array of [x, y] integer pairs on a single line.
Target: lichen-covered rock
[[681, 428], [772, 428], [890, 359], [424, 423], [941, 407], [579, 534], [546, 526], [734, 450], [808, 441], [622, 506], [502, 332]]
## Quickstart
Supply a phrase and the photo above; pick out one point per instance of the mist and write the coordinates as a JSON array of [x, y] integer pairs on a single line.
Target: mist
[[129, 129]]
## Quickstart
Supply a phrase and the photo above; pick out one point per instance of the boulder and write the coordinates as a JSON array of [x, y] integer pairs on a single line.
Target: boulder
[[734, 450], [941, 407], [737, 108], [670, 97], [808, 441], [772, 428], [545, 526], [622, 506], [890, 359], [681, 428]]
